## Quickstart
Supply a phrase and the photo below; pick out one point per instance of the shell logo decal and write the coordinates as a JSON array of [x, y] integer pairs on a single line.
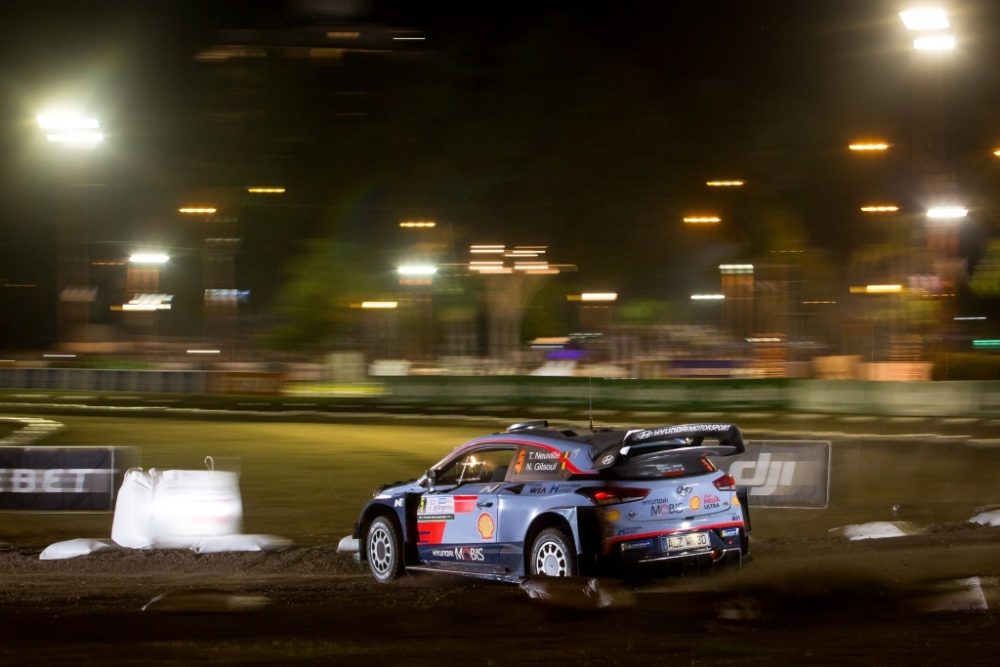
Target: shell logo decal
[[695, 503], [486, 526]]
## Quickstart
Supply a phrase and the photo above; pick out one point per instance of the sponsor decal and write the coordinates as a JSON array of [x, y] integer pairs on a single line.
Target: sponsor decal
[[437, 517], [710, 501], [695, 503], [655, 501], [465, 504], [537, 490], [612, 515], [469, 553], [437, 505], [430, 532], [632, 530], [398, 502], [644, 544], [666, 509], [684, 489], [486, 526], [492, 488], [673, 430], [443, 553]]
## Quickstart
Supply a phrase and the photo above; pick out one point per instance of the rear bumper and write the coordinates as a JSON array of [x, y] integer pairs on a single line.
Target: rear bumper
[[724, 543]]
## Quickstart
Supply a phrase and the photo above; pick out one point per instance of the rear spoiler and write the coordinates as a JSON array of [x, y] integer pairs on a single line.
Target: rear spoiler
[[684, 439]]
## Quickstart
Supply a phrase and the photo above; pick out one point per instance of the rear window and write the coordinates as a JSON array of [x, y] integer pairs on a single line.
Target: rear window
[[660, 465]]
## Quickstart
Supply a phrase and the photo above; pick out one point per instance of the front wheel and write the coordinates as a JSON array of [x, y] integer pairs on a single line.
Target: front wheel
[[552, 555], [384, 550]]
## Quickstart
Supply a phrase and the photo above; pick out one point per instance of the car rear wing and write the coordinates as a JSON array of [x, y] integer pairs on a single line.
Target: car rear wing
[[684, 439]]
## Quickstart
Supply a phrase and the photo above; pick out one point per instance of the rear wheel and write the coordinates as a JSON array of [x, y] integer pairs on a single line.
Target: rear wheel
[[384, 550], [552, 555]]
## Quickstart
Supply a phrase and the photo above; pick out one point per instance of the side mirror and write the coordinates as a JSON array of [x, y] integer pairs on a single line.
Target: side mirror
[[431, 477]]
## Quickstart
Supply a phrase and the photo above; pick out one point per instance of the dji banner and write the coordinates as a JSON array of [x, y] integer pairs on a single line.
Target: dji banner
[[61, 479], [784, 473]]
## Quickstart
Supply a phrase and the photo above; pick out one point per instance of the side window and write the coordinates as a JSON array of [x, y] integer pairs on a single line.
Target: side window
[[475, 467], [538, 464]]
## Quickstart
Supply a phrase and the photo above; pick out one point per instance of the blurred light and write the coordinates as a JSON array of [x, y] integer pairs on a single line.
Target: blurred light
[[881, 208], [531, 266], [986, 343], [725, 184], [207, 351], [343, 34], [266, 190], [708, 297], [149, 302], [418, 224], [70, 128], [196, 210], [404, 39], [736, 268], [66, 120], [816, 303], [53, 355], [947, 212], [417, 270], [969, 318], [379, 305], [487, 249], [527, 251], [876, 289], [872, 146], [595, 296], [763, 339], [149, 258], [702, 219], [925, 18], [934, 43], [997, 152]]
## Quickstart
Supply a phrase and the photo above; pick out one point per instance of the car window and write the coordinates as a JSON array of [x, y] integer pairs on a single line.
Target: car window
[[478, 466], [538, 464]]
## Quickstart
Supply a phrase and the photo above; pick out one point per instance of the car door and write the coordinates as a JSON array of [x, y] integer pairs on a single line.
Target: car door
[[457, 519]]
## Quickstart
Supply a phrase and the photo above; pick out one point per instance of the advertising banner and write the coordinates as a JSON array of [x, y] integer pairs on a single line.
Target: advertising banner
[[62, 479], [783, 473]]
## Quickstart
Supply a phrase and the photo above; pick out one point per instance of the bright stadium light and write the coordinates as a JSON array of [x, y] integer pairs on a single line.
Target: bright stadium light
[[947, 212], [70, 128], [925, 18], [417, 270], [149, 258], [934, 43]]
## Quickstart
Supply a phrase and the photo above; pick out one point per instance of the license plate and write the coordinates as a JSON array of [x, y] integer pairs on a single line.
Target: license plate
[[686, 541]]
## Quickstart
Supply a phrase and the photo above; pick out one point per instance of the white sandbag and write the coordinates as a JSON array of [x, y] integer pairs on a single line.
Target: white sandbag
[[990, 518], [73, 548], [133, 510], [876, 530], [224, 543], [190, 505]]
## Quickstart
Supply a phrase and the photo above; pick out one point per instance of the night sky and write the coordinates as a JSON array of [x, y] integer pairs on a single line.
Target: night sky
[[587, 126]]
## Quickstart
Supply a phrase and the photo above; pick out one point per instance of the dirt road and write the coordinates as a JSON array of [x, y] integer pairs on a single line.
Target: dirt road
[[823, 601]]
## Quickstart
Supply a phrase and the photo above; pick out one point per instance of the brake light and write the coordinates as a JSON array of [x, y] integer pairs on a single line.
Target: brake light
[[612, 495], [725, 483]]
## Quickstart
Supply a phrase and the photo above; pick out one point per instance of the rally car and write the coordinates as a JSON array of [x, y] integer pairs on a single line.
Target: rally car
[[541, 500]]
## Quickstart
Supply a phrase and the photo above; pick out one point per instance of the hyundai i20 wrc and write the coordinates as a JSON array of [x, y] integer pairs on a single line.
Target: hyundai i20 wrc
[[541, 500]]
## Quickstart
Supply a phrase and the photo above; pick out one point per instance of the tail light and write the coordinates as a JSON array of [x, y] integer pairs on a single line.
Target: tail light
[[725, 483], [612, 495]]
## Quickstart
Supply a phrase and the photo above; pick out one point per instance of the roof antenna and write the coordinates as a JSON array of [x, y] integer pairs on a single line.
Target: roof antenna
[[590, 399]]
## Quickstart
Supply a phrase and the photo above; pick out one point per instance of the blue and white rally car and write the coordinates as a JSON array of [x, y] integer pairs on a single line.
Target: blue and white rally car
[[541, 500]]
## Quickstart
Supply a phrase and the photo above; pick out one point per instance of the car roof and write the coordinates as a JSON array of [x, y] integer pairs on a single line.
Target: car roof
[[686, 438]]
